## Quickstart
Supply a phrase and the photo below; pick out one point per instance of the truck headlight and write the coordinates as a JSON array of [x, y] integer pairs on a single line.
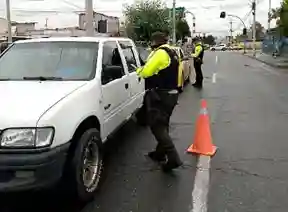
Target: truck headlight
[[27, 137]]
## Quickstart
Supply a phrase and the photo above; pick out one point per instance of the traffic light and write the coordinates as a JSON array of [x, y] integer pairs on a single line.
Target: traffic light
[[223, 14], [244, 31]]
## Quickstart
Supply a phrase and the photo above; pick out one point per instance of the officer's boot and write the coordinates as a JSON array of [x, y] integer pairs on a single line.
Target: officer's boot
[[158, 155], [173, 161]]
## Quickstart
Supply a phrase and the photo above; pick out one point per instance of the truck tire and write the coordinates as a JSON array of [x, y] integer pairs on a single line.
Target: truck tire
[[85, 166]]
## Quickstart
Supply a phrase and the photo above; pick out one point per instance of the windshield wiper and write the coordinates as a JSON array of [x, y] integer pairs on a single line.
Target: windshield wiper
[[41, 78], [5, 79]]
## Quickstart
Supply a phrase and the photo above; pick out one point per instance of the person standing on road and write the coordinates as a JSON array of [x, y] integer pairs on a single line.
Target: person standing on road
[[161, 80], [198, 55]]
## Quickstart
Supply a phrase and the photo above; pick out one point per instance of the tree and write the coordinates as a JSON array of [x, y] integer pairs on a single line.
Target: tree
[[182, 29], [259, 30], [210, 40], [283, 23], [281, 16], [145, 17], [275, 14]]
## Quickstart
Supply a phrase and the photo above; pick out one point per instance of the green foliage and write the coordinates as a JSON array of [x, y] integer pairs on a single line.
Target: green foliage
[[182, 29], [145, 17], [284, 18], [210, 40], [281, 16]]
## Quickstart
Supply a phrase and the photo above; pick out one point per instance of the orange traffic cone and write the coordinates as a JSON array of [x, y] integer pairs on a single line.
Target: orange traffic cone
[[202, 138]]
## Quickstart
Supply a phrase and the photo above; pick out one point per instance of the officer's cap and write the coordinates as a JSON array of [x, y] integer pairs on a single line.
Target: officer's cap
[[159, 37], [196, 39]]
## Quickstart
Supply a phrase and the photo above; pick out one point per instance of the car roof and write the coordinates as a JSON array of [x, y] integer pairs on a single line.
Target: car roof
[[73, 39]]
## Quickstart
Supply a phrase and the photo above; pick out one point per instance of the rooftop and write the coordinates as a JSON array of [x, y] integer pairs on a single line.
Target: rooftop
[[108, 16]]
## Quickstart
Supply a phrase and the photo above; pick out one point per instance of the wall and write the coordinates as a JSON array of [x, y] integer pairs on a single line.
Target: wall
[[23, 28], [3, 27], [274, 43]]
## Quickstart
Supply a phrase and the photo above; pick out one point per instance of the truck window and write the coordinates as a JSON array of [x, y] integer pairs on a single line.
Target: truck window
[[112, 67], [67, 60], [129, 55]]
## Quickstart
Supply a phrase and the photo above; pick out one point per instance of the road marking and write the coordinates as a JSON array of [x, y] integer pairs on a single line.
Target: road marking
[[216, 59], [201, 185], [214, 77]]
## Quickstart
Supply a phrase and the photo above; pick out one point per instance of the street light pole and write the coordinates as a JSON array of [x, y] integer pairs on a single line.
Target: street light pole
[[194, 21], [223, 15], [89, 14], [174, 21], [231, 31], [8, 17], [254, 27], [269, 15]]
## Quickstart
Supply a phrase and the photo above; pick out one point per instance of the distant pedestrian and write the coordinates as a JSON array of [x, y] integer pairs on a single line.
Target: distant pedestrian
[[198, 55]]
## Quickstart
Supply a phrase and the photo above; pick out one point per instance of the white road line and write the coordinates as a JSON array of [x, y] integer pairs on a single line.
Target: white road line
[[201, 185], [214, 77], [216, 59]]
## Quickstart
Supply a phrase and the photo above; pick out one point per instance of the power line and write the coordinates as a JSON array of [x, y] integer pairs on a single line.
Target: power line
[[248, 15]]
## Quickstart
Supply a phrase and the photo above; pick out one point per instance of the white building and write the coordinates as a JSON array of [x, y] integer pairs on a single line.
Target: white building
[[22, 29], [18, 29], [102, 23]]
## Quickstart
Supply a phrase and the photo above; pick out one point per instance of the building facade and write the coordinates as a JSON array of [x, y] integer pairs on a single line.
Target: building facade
[[102, 23], [23, 29]]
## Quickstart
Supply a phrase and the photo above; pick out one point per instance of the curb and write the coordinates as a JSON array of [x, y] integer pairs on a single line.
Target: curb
[[268, 63]]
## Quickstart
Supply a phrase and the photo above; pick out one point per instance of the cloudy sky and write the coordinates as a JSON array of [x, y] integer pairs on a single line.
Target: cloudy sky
[[62, 13]]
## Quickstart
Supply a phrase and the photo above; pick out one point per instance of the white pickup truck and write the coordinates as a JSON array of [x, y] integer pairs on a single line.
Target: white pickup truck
[[61, 99]]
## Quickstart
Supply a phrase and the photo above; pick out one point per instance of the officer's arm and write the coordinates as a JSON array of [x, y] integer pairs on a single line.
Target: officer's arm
[[158, 61], [198, 50]]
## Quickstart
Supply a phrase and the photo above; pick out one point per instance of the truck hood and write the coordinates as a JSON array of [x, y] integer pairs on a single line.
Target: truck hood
[[23, 102]]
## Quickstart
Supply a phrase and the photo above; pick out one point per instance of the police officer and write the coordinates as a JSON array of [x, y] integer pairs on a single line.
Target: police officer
[[161, 78], [198, 61]]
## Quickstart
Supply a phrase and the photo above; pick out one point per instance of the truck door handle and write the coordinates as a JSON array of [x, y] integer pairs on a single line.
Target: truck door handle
[[126, 85], [107, 106]]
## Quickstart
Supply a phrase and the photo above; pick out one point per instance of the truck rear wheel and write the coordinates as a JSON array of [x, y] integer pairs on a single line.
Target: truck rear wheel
[[86, 165]]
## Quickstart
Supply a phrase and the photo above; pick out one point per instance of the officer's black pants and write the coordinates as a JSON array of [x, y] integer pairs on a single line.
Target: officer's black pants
[[198, 72], [159, 107]]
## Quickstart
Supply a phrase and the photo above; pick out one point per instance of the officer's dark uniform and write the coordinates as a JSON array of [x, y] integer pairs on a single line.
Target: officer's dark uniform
[[160, 99], [198, 61]]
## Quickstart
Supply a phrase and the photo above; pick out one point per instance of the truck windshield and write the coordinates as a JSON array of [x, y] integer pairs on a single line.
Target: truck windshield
[[49, 61]]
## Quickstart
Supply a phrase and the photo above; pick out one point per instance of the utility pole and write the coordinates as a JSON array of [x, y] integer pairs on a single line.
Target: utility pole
[[46, 23], [269, 15], [174, 21], [194, 24], [89, 15], [254, 26], [231, 32], [8, 17]]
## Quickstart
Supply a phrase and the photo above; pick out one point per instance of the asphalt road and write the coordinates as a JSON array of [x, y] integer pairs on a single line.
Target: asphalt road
[[247, 104]]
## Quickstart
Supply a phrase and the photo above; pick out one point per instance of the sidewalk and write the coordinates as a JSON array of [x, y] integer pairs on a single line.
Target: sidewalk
[[278, 62]]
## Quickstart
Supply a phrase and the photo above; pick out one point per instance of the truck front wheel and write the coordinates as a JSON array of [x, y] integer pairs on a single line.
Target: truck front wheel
[[86, 165]]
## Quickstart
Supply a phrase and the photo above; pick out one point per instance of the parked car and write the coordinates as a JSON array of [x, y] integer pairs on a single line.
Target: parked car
[[186, 68], [220, 47], [64, 97]]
